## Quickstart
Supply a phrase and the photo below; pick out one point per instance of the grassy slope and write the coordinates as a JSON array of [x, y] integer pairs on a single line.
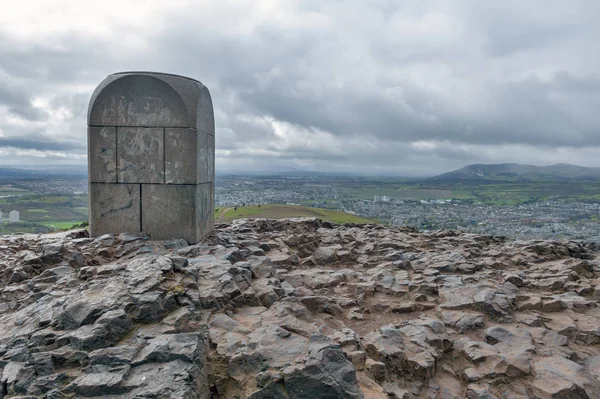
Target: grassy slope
[[286, 211], [62, 224]]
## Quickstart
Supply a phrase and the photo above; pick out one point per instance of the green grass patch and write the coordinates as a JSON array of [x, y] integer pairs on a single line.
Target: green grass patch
[[219, 211], [275, 211], [61, 225]]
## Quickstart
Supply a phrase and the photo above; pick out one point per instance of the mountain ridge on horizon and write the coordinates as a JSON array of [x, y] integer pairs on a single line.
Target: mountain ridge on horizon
[[497, 172], [521, 172]]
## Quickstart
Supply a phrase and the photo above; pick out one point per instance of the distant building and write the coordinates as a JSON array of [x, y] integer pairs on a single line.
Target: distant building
[[13, 216], [383, 198]]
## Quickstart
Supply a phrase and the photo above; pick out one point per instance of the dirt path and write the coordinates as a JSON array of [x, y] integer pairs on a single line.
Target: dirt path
[[220, 219]]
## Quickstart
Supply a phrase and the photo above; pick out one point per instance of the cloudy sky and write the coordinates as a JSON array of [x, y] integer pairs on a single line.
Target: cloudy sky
[[407, 87]]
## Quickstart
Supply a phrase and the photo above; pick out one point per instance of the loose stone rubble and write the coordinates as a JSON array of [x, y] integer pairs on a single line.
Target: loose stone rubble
[[299, 308]]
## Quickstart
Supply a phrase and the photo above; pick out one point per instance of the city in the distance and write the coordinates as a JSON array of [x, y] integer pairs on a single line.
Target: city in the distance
[[517, 201]]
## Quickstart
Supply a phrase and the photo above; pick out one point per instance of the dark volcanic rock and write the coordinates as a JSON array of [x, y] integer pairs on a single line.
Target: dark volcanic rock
[[297, 308]]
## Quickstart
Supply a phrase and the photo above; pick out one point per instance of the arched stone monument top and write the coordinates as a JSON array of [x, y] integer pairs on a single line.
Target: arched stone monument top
[[151, 99], [154, 73]]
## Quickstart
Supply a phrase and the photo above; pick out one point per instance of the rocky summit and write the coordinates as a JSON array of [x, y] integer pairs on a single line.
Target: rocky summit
[[299, 308]]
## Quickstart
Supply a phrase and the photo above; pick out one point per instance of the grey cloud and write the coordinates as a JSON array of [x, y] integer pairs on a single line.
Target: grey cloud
[[61, 59], [464, 74], [41, 143], [520, 112], [19, 102], [76, 103]]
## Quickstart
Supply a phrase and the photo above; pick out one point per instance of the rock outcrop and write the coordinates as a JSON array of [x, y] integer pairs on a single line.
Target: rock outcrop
[[299, 308]]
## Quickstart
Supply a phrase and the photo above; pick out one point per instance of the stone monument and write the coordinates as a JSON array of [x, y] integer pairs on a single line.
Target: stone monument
[[151, 146]]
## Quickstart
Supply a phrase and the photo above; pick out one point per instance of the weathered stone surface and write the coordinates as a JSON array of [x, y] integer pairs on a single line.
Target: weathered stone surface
[[96, 384], [169, 212], [169, 347], [175, 379], [102, 154], [114, 208], [16, 377], [387, 346], [140, 155], [326, 254], [206, 156], [327, 374], [151, 99], [107, 330], [184, 150], [462, 321], [557, 377], [114, 356], [205, 208]]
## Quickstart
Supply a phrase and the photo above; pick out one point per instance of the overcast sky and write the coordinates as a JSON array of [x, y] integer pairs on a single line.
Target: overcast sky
[[362, 86]]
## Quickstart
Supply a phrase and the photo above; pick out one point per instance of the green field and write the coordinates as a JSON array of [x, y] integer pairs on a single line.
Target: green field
[[62, 225], [481, 191], [39, 212], [226, 215]]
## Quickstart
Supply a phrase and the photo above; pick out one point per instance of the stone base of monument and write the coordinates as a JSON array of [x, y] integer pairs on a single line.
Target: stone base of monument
[[151, 158], [163, 211]]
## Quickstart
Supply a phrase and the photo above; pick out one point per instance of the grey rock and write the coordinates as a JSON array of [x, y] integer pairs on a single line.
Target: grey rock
[[462, 321], [327, 374], [69, 357], [48, 383], [326, 254], [54, 394], [265, 246], [96, 384], [477, 391], [16, 377], [386, 345], [557, 377], [107, 330], [188, 347], [78, 314], [113, 356], [150, 307], [42, 363], [174, 379]]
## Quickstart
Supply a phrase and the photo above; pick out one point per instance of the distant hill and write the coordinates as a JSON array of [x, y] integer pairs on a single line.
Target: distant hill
[[42, 171], [517, 172]]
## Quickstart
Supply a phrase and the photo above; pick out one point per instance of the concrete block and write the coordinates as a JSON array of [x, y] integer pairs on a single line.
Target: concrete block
[[181, 160], [205, 208], [206, 158], [211, 157], [140, 154], [114, 208], [168, 211], [205, 117], [102, 154]]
